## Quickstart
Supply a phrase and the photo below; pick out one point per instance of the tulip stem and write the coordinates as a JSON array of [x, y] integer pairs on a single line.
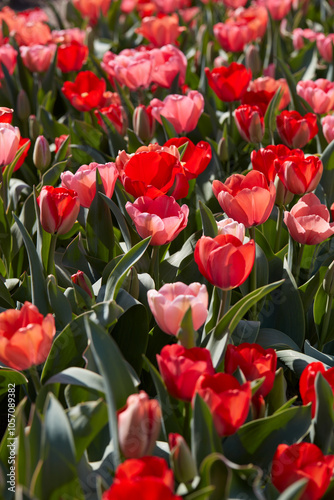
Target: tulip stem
[[279, 229], [186, 421], [154, 265], [327, 316], [222, 306], [35, 379], [253, 280], [230, 106], [298, 263], [51, 264]]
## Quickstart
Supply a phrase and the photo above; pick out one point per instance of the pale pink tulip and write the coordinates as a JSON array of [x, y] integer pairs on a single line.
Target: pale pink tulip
[[161, 30], [325, 46], [9, 143], [172, 301], [328, 127], [37, 58], [319, 94], [84, 181], [230, 226], [183, 111], [162, 218], [139, 425], [308, 221], [132, 69], [299, 35]]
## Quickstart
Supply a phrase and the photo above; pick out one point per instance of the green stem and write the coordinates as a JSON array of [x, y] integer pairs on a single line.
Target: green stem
[[186, 422], [253, 280], [279, 229], [230, 107], [298, 263], [154, 265], [35, 378], [222, 306], [51, 260], [325, 325]]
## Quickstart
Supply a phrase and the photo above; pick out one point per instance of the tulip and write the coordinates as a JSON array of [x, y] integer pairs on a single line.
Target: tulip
[[68, 35], [302, 461], [180, 369], [81, 280], [92, 8], [168, 62], [328, 127], [247, 199], [230, 226], [229, 83], [59, 141], [59, 209], [131, 68], [255, 362], [259, 98], [300, 35], [277, 8], [183, 111], [41, 154], [250, 123], [161, 30], [83, 182], [307, 381], [139, 489], [143, 122], [195, 159], [234, 4], [9, 143], [25, 337], [71, 56], [139, 425], [184, 465], [325, 46], [139, 468], [86, 92], [224, 261], [172, 301], [263, 159], [253, 60], [319, 94], [270, 85], [299, 175], [37, 58], [228, 401], [116, 114], [296, 130], [8, 57], [6, 114], [33, 33], [308, 221], [162, 218]]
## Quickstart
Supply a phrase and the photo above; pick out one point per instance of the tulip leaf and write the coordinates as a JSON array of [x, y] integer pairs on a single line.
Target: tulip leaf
[[327, 179], [202, 494], [270, 337], [294, 491], [93, 153], [38, 286], [79, 376], [51, 126], [320, 305], [277, 396], [256, 441], [169, 129], [134, 142], [324, 416], [320, 356], [208, 221], [270, 116], [296, 361], [246, 331], [9, 376], [204, 437], [119, 272], [51, 176], [120, 220], [5, 297], [87, 134], [115, 140]]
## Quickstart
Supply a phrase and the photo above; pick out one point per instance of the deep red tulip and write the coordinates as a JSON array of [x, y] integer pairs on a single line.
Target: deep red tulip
[[255, 362], [86, 92], [229, 82], [250, 123], [307, 381], [6, 114], [180, 369], [139, 468], [195, 158], [71, 56], [228, 401], [263, 159], [23, 141], [247, 199], [302, 461], [116, 114], [140, 489], [224, 261], [59, 208], [299, 175], [296, 130]]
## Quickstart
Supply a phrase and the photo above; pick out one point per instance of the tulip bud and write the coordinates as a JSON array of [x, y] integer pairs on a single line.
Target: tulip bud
[[283, 195], [81, 280], [143, 122], [183, 462], [23, 105], [253, 60], [41, 155], [34, 127], [328, 282], [222, 150], [210, 53], [139, 425]]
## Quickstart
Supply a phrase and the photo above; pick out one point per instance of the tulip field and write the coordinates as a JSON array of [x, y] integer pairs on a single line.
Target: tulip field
[[167, 250]]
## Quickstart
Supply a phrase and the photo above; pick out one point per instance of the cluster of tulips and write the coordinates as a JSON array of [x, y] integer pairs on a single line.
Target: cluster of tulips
[[166, 250]]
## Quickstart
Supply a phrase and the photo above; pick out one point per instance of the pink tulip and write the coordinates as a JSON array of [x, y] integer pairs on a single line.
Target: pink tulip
[[319, 94], [84, 181], [328, 127], [8, 56], [183, 111], [161, 30], [68, 35], [168, 62], [299, 35], [325, 44], [139, 425], [37, 58], [308, 221], [9, 143], [92, 8], [169, 6], [277, 8], [230, 226], [133, 70], [171, 302], [162, 218]]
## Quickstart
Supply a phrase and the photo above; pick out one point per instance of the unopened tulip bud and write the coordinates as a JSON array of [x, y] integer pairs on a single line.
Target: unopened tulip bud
[[23, 105], [222, 150], [41, 155], [139, 425], [210, 53], [34, 127], [143, 122], [253, 60], [183, 462], [328, 282], [83, 282], [283, 195]]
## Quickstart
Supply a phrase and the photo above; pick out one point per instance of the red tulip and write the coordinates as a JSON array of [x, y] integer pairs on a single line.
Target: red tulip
[[59, 141], [59, 208], [263, 159], [250, 123], [147, 488], [162, 218], [247, 199], [23, 141], [229, 82], [308, 221], [116, 114], [277, 8], [86, 92], [299, 175], [71, 56], [8, 57], [228, 401], [255, 362], [302, 461], [270, 85], [195, 158], [25, 337], [296, 130], [224, 261], [6, 114], [139, 468], [307, 381], [180, 369]]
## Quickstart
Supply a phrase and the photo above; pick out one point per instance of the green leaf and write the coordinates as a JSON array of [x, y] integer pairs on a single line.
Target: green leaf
[[52, 127], [5, 297], [257, 441], [59, 303], [169, 129], [9, 376], [319, 356], [49, 77], [294, 491], [119, 272], [121, 220], [79, 376], [327, 179], [270, 337], [38, 286], [270, 115], [134, 142], [320, 305], [277, 396], [324, 416], [208, 221], [87, 134], [51, 176], [296, 361]]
